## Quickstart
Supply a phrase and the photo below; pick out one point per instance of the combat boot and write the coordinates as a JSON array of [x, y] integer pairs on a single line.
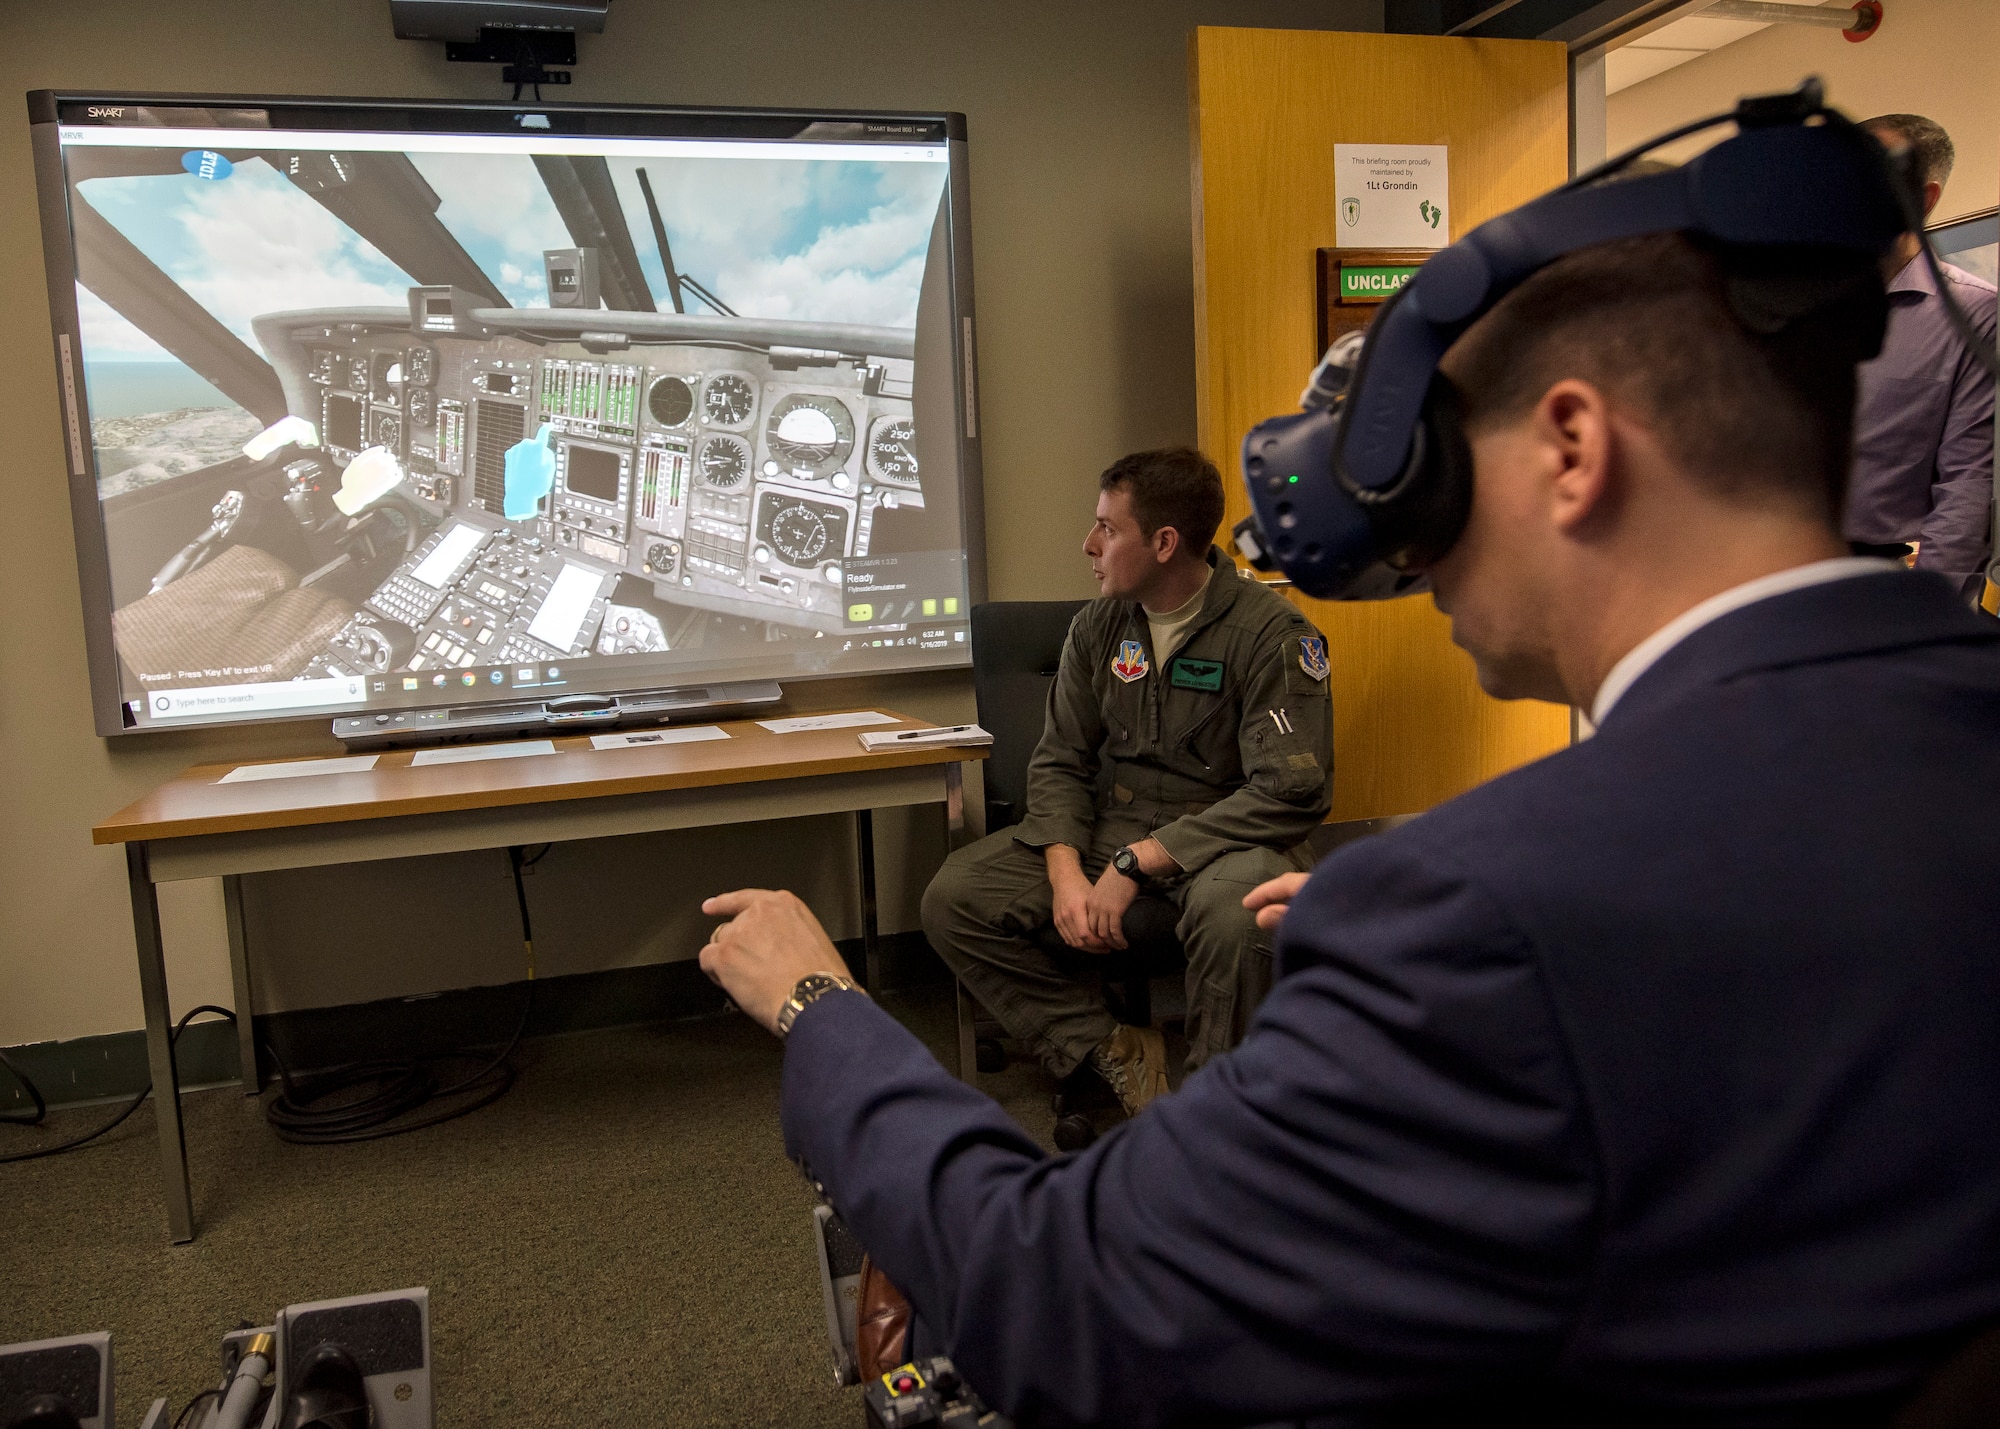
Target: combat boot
[[1134, 1061]]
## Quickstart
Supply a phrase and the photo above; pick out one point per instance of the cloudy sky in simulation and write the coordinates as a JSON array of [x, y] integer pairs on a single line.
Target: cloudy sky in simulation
[[813, 240]]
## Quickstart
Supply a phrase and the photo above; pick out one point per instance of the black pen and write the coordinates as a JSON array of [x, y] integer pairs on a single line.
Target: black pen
[[928, 733]]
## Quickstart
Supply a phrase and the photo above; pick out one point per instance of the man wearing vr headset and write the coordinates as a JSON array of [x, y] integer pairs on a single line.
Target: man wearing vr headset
[[1654, 1083]]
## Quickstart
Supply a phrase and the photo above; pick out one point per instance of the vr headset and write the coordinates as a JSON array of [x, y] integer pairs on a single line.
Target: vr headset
[[1354, 496]]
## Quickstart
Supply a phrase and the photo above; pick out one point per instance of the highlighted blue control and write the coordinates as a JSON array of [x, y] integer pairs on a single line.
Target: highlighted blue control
[[531, 474]]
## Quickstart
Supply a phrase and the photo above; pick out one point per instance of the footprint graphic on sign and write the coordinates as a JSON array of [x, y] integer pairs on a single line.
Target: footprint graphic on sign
[[1430, 212]]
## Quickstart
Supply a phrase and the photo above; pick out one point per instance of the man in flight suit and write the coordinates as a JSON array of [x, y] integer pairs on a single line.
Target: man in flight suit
[[1188, 752]]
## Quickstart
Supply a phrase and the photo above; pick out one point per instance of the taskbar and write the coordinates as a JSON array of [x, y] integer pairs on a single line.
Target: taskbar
[[874, 651]]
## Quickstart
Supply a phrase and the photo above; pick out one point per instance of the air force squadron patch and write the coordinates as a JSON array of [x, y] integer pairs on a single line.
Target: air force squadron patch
[[1312, 656], [1129, 663]]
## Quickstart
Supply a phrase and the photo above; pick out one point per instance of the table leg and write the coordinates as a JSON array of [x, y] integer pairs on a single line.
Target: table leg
[[160, 1042], [968, 1010], [239, 969], [954, 805], [968, 1041], [864, 838]]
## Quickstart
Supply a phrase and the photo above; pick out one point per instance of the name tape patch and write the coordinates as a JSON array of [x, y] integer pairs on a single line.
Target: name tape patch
[[1186, 674]]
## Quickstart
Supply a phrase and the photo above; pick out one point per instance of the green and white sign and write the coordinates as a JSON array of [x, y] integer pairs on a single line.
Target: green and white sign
[[1360, 284], [1391, 196]]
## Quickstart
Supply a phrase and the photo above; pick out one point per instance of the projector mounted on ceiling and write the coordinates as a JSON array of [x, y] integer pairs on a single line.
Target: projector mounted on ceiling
[[525, 36], [462, 20]]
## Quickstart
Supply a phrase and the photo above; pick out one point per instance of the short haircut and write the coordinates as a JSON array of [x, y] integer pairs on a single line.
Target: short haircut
[[1172, 486], [1927, 140], [1765, 418]]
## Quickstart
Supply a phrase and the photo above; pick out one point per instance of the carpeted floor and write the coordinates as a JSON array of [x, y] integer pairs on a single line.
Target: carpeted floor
[[618, 1241]]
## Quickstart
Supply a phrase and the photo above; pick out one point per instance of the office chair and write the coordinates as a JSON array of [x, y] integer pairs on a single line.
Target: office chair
[[1016, 648]]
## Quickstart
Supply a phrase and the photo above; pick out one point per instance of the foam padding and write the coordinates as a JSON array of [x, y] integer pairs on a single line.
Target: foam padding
[[69, 1372], [385, 1337]]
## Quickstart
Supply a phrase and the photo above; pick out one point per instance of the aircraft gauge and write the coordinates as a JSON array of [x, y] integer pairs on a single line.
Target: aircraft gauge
[[724, 461], [810, 434], [798, 534], [892, 451], [670, 401], [728, 400]]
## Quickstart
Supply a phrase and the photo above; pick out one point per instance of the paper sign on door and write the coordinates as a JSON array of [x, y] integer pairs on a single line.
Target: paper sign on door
[[1391, 196]]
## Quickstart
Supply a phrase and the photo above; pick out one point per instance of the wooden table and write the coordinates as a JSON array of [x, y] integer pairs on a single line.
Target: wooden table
[[198, 827]]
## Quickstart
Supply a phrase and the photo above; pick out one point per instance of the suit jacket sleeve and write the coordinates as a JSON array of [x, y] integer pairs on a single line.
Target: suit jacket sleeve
[[1062, 774], [1390, 1176], [1287, 767]]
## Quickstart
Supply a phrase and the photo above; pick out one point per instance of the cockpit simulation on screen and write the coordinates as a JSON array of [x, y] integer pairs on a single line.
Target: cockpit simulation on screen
[[400, 406]]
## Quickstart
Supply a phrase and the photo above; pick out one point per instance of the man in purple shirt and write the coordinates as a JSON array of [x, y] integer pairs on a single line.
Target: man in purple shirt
[[1923, 442]]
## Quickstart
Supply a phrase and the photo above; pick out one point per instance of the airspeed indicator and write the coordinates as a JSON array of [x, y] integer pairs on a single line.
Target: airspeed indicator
[[892, 451]]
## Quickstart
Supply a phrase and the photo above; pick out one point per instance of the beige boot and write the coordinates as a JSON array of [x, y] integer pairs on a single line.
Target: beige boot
[[1134, 1061]]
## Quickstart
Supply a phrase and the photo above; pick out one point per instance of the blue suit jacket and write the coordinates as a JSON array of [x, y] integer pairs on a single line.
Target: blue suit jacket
[[1661, 1076]]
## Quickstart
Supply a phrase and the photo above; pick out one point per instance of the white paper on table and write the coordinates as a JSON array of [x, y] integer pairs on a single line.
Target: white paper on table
[[467, 753], [833, 721], [299, 768], [957, 734], [637, 738]]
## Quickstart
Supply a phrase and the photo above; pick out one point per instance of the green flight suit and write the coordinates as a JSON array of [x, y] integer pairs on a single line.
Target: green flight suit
[[1224, 754]]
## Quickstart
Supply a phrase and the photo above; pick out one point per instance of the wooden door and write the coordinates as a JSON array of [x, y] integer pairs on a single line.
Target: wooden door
[[1411, 726]]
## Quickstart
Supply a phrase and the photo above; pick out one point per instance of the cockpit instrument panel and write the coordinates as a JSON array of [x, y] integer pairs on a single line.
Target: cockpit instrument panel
[[724, 480]]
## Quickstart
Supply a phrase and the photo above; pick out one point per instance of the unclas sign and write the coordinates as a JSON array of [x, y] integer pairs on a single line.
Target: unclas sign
[[1368, 283]]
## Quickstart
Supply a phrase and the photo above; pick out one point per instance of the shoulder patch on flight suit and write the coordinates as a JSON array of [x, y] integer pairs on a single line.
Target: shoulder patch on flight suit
[[1186, 674], [1307, 664]]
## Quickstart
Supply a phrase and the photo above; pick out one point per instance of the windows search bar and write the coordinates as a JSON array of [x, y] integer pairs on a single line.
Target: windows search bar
[[210, 700]]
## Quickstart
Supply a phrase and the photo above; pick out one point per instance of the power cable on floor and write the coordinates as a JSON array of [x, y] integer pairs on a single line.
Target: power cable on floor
[[127, 1110], [363, 1101], [367, 1101], [24, 1118], [188, 1408]]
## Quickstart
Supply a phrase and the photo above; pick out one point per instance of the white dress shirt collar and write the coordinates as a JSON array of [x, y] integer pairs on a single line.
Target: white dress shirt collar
[[1641, 657]]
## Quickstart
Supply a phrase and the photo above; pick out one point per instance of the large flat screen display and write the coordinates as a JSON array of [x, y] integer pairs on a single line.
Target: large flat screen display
[[376, 406]]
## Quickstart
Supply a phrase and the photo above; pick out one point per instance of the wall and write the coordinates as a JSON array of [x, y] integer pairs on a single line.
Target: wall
[[1078, 123], [1931, 57]]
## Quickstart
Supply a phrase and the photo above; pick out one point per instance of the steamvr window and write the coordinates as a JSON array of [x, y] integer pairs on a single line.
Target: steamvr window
[[395, 419]]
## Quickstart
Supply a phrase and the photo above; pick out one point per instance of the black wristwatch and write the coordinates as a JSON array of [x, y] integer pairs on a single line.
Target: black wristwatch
[[1127, 863], [808, 990]]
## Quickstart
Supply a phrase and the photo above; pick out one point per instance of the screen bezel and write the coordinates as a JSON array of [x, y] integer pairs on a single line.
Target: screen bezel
[[51, 110]]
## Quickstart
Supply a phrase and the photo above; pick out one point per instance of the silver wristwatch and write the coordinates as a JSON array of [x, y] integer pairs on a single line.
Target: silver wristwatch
[[808, 990]]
